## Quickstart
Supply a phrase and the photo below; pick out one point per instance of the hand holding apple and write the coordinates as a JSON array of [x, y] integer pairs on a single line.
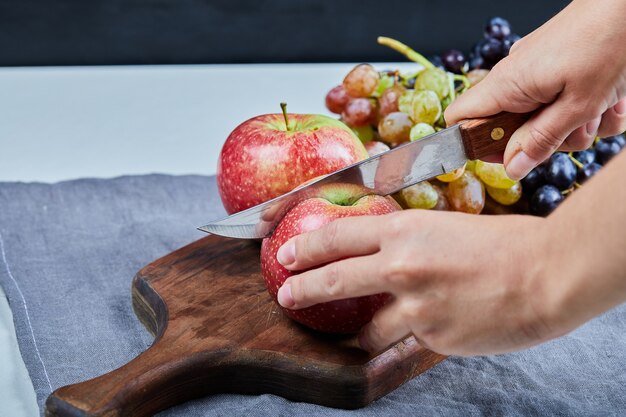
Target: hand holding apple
[[335, 201]]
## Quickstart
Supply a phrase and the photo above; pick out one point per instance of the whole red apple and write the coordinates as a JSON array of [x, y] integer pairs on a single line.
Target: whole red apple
[[270, 155], [334, 201]]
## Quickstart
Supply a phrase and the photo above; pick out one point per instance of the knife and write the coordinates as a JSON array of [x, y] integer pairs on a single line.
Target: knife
[[385, 173]]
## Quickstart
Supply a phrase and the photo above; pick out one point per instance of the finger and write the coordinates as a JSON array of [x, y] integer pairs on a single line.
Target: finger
[[613, 120], [540, 136], [386, 328], [352, 277], [498, 92], [581, 138], [342, 238]]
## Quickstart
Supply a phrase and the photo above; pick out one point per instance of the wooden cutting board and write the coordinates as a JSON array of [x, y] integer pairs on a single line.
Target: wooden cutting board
[[217, 330]]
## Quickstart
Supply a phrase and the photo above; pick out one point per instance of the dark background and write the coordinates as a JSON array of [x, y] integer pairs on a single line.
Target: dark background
[[86, 32]]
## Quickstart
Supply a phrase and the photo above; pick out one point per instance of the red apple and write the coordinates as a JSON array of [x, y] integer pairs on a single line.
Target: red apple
[[334, 201], [270, 155]]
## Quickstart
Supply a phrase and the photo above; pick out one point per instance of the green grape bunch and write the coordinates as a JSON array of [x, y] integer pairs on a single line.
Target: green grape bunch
[[386, 109]]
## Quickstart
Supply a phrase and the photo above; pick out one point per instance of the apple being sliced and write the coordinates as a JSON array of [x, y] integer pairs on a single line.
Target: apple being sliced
[[271, 154], [335, 201]]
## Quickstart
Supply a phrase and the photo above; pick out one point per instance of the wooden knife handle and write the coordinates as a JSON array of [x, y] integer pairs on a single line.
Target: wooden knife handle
[[489, 135]]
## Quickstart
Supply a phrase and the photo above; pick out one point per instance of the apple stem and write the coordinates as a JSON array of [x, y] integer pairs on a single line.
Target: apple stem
[[284, 107]]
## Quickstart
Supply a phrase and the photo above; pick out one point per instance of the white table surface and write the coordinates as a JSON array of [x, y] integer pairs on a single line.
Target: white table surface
[[63, 123], [74, 122]]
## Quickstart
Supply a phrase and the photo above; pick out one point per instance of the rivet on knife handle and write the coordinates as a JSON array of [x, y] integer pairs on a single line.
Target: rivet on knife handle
[[489, 135]]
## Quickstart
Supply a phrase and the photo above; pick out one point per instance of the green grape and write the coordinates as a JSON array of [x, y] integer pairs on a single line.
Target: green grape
[[420, 130], [442, 201], [386, 81], [361, 81], [395, 127], [433, 79], [506, 196], [441, 122], [425, 107], [493, 175], [445, 102], [451, 176], [405, 101], [365, 133], [408, 79], [467, 194], [420, 196]]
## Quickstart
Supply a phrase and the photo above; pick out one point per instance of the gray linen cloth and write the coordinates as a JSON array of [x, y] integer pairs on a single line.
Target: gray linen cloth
[[69, 252]]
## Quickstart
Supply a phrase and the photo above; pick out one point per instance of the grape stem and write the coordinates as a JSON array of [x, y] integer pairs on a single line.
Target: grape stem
[[575, 161], [405, 50], [464, 80], [284, 107], [452, 90]]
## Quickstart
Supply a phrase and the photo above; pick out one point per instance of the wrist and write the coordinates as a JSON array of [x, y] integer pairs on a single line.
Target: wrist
[[543, 317], [574, 292]]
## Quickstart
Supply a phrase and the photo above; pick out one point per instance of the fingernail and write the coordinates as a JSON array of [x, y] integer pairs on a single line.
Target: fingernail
[[592, 126], [364, 343], [620, 107], [286, 254], [520, 165], [284, 296]]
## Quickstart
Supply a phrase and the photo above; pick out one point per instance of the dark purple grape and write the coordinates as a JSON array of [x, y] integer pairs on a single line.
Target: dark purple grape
[[620, 140], [476, 62], [585, 157], [497, 28], [587, 171], [606, 149], [476, 48], [535, 179], [560, 171], [508, 42], [453, 61], [491, 51], [545, 200]]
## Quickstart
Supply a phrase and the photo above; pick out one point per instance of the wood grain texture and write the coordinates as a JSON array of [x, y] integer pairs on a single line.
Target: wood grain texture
[[217, 330], [477, 133]]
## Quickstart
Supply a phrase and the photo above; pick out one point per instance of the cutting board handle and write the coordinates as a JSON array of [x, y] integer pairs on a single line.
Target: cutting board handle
[[142, 387], [489, 135]]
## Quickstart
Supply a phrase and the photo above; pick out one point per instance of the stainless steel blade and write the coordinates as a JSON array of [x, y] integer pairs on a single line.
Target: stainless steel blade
[[383, 174]]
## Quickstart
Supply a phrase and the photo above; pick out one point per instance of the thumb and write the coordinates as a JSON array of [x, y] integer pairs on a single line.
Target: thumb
[[541, 135]]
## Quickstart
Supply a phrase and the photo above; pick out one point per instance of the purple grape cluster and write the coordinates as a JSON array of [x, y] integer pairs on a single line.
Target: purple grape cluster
[[547, 185], [497, 42]]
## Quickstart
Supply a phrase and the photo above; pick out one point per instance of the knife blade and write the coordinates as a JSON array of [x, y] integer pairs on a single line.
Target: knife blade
[[385, 173]]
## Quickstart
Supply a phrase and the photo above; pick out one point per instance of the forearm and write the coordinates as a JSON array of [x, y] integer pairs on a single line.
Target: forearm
[[587, 248]]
